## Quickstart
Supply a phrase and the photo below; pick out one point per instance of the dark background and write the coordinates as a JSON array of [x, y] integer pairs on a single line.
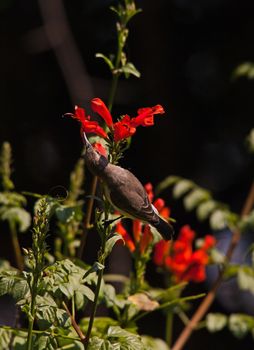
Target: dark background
[[186, 51]]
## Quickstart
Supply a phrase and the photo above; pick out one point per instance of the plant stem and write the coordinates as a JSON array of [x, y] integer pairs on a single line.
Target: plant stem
[[74, 324], [32, 313], [169, 327], [100, 275], [207, 302], [116, 74], [88, 216], [16, 247], [111, 98]]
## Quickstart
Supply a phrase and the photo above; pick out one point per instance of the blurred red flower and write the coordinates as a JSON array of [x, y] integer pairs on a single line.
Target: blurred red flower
[[178, 257]]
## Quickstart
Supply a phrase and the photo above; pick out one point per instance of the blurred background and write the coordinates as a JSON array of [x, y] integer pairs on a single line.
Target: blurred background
[[186, 52]]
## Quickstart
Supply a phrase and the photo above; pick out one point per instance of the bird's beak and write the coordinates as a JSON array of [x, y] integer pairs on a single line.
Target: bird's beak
[[85, 139]]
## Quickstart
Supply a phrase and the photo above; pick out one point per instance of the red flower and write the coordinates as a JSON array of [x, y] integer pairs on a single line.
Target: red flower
[[126, 237], [98, 106], [123, 129], [161, 251], [180, 260], [99, 148], [87, 125], [149, 191], [146, 116], [146, 239]]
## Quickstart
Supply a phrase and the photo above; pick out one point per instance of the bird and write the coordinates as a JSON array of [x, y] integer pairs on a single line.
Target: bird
[[124, 191]]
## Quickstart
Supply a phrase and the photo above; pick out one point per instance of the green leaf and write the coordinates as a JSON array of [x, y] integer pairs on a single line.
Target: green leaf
[[14, 284], [245, 278], [106, 60], [154, 343], [182, 187], [111, 242], [65, 213], [217, 257], [247, 222], [205, 209], [5, 338], [12, 199], [218, 220], [167, 182], [240, 324], [215, 322], [129, 69], [129, 341], [245, 69], [18, 215], [194, 198]]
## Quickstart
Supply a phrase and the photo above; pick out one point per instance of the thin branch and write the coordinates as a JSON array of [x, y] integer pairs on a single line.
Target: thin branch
[[74, 324], [208, 300], [87, 223]]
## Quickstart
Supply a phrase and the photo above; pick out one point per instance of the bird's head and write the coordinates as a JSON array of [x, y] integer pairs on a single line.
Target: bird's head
[[94, 160]]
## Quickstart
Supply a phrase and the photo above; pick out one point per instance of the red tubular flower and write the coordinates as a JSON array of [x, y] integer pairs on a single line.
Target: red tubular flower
[[87, 125], [146, 239], [99, 148], [146, 116], [98, 106], [186, 234], [161, 251], [209, 242], [123, 129], [126, 237], [137, 230], [180, 260], [149, 191]]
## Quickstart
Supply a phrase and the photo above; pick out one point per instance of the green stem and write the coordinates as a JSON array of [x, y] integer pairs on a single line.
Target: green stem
[[169, 327], [116, 75], [99, 280], [32, 313], [16, 247]]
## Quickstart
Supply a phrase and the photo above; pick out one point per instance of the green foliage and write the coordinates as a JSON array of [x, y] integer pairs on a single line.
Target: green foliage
[[117, 338], [239, 324], [200, 200], [250, 141], [245, 69], [154, 343], [5, 167]]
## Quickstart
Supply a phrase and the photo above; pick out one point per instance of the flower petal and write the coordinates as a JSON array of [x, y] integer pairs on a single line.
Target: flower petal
[[98, 106]]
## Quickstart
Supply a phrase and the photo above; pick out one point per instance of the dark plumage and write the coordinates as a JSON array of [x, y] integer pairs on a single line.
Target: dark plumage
[[125, 192]]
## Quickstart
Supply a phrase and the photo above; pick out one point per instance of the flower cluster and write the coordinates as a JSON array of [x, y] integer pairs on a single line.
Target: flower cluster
[[179, 258], [141, 233], [121, 129]]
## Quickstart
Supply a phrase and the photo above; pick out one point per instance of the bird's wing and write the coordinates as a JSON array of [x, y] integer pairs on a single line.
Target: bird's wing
[[131, 199]]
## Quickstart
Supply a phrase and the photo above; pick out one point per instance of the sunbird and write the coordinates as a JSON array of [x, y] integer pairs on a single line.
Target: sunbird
[[124, 191]]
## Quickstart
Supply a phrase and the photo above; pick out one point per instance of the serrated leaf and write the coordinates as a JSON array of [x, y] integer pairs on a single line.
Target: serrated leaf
[[111, 242], [215, 322], [106, 60], [205, 209], [129, 341], [182, 187], [195, 197]]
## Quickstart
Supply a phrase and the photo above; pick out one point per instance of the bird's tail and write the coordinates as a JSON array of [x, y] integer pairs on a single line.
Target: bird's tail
[[164, 228]]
